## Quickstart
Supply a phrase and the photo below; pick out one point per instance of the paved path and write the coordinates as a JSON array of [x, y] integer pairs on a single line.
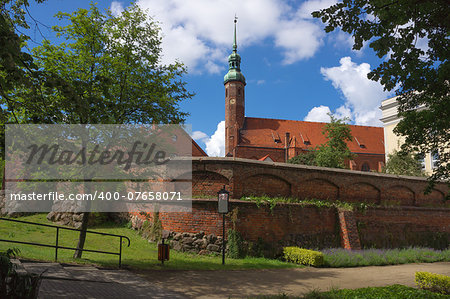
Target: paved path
[[68, 281], [238, 284]]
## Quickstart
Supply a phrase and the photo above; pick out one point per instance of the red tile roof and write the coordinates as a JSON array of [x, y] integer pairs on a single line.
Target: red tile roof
[[262, 132], [265, 157]]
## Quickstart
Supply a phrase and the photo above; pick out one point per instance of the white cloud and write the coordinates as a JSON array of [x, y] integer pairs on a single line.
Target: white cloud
[[116, 8], [215, 146], [199, 136], [199, 33], [362, 96], [319, 114], [308, 7], [299, 40], [343, 40], [343, 112]]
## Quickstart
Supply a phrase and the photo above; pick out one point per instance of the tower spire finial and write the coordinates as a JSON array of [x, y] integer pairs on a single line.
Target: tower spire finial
[[234, 40], [234, 62]]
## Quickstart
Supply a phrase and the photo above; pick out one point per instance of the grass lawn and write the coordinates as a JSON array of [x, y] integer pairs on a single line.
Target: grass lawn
[[389, 292], [140, 255]]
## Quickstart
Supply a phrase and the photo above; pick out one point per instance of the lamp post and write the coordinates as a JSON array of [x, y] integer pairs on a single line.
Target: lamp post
[[223, 196]]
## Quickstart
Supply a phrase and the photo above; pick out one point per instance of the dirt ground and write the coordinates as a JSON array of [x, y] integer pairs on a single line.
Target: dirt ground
[[237, 284]]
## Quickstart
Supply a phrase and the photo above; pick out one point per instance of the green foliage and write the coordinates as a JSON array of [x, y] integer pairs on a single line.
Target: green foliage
[[273, 201], [103, 69], [403, 164], [306, 158], [16, 66], [112, 67], [397, 32], [433, 282], [392, 292], [339, 257], [14, 284], [235, 245], [335, 151], [151, 230], [303, 256], [156, 228]]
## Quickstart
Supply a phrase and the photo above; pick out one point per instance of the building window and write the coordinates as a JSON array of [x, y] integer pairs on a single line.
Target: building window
[[421, 158], [365, 167], [434, 159], [174, 138]]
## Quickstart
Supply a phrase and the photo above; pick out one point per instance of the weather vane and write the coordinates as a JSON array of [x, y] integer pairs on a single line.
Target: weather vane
[[235, 18]]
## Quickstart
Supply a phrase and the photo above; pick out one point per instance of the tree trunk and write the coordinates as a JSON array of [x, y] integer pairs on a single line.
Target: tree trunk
[[84, 221], [82, 237]]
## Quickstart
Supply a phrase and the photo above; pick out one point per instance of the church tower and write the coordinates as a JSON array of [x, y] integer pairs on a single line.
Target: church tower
[[234, 82]]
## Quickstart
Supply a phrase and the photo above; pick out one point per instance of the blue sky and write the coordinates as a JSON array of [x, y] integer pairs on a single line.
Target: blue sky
[[294, 70]]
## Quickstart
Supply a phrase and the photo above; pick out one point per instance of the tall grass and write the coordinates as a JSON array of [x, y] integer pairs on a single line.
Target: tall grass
[[339, 257]]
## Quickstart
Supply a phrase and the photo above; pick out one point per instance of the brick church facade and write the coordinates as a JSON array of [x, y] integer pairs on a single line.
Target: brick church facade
[[279, 140]]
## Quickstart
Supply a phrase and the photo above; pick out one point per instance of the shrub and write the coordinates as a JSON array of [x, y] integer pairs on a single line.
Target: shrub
[[303, 256], [235, 245], [151, 230], [339, 257], [393, 291], [156, 229], [433, 282], [14, 284]]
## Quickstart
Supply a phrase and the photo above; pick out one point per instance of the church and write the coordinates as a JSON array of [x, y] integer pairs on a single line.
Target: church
[[277, 140]]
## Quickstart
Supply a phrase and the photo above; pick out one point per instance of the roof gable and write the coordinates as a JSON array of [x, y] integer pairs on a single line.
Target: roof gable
[[260, 132]]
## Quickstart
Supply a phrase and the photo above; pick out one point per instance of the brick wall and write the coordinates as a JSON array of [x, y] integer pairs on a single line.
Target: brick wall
[[313, 227], [404, 226], [244, 177], [409, 220]]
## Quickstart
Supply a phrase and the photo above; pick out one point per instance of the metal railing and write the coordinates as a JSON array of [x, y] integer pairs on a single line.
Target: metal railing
[[57, 246]]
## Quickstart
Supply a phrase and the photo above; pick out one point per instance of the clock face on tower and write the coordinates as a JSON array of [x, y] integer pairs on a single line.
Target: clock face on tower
[[232, 101]]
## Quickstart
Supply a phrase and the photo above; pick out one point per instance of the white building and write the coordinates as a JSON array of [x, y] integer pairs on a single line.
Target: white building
[[393, 142]]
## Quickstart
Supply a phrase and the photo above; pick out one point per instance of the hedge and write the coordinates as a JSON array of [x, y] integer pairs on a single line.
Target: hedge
[[303, 256], [433, 282]]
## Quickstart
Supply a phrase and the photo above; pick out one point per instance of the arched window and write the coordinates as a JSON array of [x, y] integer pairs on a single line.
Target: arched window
[[365, 167]]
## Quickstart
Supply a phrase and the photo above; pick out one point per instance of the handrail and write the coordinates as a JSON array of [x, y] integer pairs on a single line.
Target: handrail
[[56, 246]]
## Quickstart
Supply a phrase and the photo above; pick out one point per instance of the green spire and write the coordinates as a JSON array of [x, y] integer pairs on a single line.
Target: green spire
[[234, 63], [234, 41]]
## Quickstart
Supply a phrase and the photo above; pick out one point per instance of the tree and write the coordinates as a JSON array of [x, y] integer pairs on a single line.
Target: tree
[[403, 164], [111, 73], [396, 31], [334, 152], [306, 158], [16, 65]]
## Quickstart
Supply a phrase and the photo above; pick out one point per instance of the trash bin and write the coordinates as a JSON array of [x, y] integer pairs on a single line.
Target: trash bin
[[163, 252]]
